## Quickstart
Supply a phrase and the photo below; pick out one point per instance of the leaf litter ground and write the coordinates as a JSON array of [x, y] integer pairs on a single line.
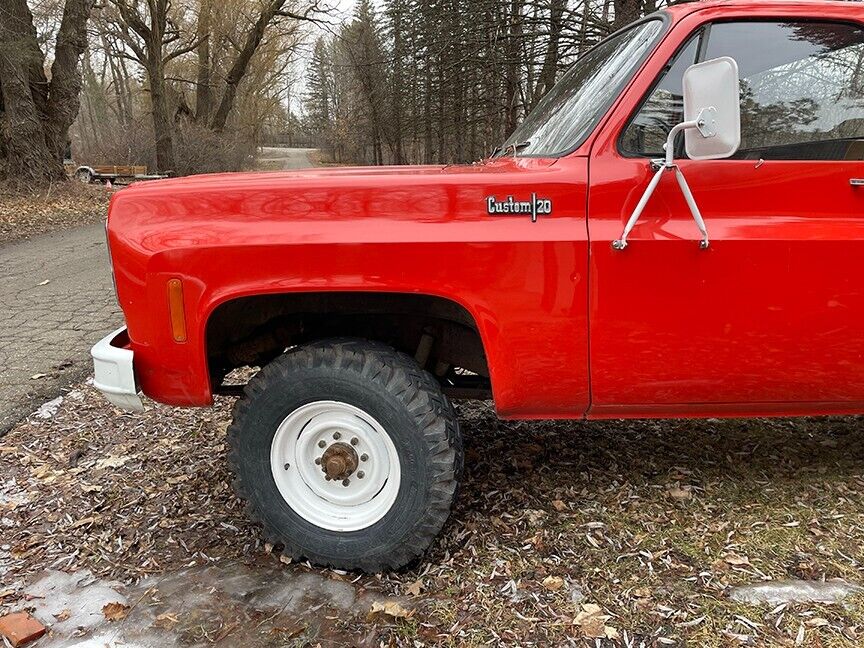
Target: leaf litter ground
[[612, 533]]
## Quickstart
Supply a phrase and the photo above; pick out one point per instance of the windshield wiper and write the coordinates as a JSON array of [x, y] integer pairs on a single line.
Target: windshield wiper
[[518, 146]]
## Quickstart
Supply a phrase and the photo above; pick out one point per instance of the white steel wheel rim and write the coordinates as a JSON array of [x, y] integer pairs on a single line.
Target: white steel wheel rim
[[302, 482]]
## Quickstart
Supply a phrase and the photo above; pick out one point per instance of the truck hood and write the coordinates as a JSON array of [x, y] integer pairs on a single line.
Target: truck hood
[[327, 204], [336, 176]]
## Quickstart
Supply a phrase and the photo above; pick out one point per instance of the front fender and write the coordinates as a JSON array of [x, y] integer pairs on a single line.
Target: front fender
[[523, 279]]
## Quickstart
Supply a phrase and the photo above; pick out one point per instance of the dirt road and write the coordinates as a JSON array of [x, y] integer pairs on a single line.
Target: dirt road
[[289, 158]]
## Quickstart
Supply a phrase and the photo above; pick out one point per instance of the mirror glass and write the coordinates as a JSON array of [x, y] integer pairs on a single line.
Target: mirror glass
[[711, 95]]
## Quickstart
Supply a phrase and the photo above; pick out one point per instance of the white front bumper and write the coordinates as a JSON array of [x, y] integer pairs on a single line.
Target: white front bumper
[[113, 373]]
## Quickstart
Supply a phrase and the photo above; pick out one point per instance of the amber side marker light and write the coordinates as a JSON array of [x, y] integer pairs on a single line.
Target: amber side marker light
[[175, 310]]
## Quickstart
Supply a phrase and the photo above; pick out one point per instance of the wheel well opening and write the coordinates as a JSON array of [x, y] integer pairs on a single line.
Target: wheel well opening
[[439, 334]]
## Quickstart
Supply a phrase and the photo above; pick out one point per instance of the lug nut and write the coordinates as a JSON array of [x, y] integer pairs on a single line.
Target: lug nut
[[322, 443], [318, 461], [355, 441], [361, 475], [337, 435], [287, 466], [345, 482], [364, 457]]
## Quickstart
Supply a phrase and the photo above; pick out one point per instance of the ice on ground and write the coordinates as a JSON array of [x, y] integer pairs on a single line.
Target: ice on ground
[[794, 591]]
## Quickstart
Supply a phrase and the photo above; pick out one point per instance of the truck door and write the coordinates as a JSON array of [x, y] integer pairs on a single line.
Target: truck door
[[769, 318]]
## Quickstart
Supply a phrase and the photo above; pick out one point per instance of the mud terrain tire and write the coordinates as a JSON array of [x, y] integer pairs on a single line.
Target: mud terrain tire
[[331, 382]]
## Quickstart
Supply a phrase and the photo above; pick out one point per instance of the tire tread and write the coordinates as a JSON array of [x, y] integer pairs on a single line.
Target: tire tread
[[422, 397]]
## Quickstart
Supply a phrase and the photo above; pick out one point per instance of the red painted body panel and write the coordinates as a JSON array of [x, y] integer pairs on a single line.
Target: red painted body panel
[[391, 230], [767, 321]]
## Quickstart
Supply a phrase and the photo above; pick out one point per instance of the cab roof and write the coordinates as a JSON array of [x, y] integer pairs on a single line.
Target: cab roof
[[686, 7]]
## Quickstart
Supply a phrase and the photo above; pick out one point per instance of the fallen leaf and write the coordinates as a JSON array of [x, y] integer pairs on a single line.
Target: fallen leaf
[[720, 565], [288, 632], [85, 521], [415, 588], [166, 621], [736, 560], [592, 622], [285, 560], [91, 488], [799, 638], [112, 462], [680, 493], [559, 505], [589, 609], [391, 608], [642, 592], [37, 376], [553, 583], [115, 611], [65, 614], [817, 622]]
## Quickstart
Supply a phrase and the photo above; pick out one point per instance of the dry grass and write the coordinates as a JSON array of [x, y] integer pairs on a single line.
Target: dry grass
[[652, 521], [61, 206]]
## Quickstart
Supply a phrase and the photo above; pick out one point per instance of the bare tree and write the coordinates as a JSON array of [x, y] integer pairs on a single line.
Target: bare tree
[[154, 38], [35, 112], [452, 78], [271, 10]]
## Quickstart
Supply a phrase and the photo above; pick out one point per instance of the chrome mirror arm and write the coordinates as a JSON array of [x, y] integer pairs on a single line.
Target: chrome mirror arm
[[704, 124]]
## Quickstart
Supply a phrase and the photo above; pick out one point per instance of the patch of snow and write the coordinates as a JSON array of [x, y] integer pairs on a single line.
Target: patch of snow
[[49, 409]]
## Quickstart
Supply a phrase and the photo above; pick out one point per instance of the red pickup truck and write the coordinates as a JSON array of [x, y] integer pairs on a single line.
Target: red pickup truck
[[677, 230]]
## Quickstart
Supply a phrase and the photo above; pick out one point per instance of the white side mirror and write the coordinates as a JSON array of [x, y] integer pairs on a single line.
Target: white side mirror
[[712, 130], [711, 100]]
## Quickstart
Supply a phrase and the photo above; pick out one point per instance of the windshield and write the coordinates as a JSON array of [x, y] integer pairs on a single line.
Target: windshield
[[565, 116]]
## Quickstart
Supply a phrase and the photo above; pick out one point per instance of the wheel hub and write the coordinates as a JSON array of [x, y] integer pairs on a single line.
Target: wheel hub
[[339, 461], [335, 465]]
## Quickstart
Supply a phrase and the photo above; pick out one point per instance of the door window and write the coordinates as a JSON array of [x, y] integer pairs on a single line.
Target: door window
[[664, 107], [802, 91]]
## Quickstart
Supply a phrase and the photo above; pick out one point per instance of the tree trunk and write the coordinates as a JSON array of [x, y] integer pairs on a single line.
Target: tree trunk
[[27, 157], [203, 87], [24, 94], [550, 62], [65, 88], [583, 28], [512, 69], [162, 124], [241, 63], [626, 11]]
